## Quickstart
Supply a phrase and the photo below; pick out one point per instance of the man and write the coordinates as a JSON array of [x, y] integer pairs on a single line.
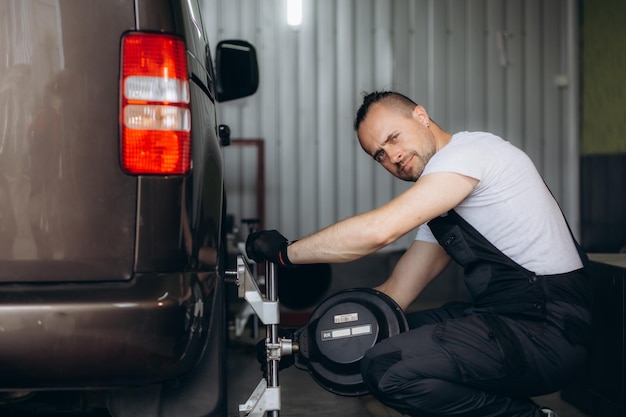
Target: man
[[479, 200]]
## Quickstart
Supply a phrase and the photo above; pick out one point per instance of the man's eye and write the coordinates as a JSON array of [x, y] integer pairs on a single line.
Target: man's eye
[[380, 156]]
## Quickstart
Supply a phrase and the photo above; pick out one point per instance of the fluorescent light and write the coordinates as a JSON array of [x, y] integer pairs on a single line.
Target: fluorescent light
[[294, 12]]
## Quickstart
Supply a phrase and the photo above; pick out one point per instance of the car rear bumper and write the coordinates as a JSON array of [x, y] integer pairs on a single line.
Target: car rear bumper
[[150, 329]]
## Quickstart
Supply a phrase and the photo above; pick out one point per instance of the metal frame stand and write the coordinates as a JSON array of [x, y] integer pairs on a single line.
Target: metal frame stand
[[266, 396]]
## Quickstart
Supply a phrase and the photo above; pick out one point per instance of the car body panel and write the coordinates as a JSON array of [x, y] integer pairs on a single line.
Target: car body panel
[[102, 335], [60, 180], [107, 280]]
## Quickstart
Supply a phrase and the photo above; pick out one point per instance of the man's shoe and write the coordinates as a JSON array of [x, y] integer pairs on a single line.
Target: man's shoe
[[548, 412]]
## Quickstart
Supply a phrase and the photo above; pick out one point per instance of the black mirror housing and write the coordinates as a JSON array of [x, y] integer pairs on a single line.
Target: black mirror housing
[[237, 70]]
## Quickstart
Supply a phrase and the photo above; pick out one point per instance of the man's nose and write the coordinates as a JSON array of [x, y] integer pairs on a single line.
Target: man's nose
[[396, 156]]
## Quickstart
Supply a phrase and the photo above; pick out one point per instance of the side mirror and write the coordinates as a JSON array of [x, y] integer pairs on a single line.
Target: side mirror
[[237, 70]]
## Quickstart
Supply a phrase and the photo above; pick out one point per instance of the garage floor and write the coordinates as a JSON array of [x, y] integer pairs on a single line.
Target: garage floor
[[301, 396]]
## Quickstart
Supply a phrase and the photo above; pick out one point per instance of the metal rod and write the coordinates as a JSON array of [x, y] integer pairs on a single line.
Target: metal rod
[[271, 293]]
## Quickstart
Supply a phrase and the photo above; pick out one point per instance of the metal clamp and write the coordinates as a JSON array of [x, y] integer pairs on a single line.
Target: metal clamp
[[266, 396], [267, 310], [262, 400]]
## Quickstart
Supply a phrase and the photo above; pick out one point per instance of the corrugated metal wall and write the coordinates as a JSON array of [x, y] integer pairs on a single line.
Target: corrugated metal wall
[[506, 66]]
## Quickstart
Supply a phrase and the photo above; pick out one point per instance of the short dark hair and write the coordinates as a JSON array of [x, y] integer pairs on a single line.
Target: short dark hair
[[390, 98]]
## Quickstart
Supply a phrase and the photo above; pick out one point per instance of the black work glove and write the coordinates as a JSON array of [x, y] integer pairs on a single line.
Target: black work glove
[[285, 361], [268, 245]]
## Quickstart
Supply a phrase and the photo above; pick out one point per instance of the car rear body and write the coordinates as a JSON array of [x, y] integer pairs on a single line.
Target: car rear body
[[107, 278]]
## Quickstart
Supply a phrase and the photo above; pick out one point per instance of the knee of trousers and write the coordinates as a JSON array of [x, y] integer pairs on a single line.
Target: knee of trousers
[[381, 377], [375, 369]]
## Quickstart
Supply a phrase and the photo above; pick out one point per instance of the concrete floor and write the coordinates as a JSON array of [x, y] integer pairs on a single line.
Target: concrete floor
[[301, 396]]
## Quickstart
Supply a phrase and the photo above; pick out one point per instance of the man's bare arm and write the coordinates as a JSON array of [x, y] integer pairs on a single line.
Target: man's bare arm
[[354, 237], [418, 266]]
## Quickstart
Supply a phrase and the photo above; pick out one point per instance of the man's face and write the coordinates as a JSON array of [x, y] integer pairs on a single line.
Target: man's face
[[401, 143]]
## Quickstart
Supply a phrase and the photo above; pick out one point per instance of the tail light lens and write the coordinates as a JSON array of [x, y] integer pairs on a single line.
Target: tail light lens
[[155, 115]]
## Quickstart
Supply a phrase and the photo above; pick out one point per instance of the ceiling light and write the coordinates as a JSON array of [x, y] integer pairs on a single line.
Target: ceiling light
[[294, 12]]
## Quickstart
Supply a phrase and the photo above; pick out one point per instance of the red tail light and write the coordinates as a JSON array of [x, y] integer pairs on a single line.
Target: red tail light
[[155, 115]]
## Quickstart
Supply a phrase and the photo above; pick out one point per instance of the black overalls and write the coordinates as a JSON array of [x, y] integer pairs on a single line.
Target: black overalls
[[522, 335]]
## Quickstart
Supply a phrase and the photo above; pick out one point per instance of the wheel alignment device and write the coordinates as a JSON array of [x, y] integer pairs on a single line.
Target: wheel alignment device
[[330, 347], [266, 396]]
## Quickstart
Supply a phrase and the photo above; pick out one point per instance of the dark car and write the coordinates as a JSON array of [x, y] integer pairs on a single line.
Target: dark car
[[112, 203]]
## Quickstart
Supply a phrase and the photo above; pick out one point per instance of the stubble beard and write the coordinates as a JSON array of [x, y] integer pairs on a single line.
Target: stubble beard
[[416, 171]]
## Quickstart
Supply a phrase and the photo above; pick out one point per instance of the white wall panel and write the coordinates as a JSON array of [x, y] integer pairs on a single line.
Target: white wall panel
[[326, 122], [475, 76], [475, 65], [533, 86], [552, 161], [513, 36], [456, 93], [347, 90], [364, 76]]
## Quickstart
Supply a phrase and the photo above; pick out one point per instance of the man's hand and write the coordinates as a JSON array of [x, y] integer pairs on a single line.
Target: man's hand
[[267, 245]]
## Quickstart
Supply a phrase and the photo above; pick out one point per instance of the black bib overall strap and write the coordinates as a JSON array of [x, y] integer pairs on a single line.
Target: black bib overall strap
[[499, 285]]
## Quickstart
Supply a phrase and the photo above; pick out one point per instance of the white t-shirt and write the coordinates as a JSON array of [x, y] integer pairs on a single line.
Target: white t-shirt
[[511, 205]]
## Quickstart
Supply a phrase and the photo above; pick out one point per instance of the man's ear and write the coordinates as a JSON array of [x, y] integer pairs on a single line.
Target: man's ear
[[419, 113]]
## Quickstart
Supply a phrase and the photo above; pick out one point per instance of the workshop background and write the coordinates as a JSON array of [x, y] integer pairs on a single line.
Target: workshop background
[[512, 67], [508, 67], [546, 75]]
